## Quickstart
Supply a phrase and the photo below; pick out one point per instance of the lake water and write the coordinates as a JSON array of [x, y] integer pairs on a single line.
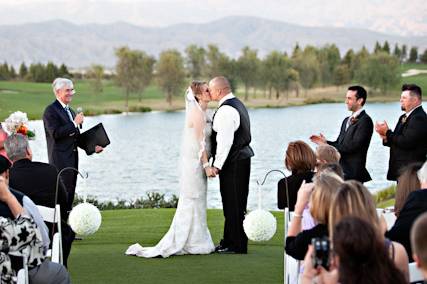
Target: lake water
[[144, 150]]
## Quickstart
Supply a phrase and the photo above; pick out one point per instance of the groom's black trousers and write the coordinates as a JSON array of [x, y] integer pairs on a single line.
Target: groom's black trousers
[[234, 187]]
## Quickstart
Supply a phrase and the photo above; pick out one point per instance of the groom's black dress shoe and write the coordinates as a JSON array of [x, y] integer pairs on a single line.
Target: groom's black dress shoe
[[226, 251], [219, 247]]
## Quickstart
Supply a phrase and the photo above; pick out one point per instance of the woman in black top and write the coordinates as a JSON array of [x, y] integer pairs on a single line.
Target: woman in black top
[[301, 161]]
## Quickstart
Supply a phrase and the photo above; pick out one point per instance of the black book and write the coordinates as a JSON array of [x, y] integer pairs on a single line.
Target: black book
[[92, 137]]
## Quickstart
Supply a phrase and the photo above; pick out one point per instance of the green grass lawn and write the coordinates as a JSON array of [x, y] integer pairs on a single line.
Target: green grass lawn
[[100, 258]]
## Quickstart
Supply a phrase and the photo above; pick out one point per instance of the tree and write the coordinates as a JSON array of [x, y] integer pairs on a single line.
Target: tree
[[23, 71], [12, 72], [63, 71], [4, 71], [195, 61], [144, 70], [296, 51], [51, 72], [397, 52], [95, 75], [247, 66], [377, 47], [341, 75], [423, 57], [307, 66], [349, 61], [37, 73], [329, 58], [170, 73], [129, 68], [413, 54], [380, 71], [404, 53], [386, 47]]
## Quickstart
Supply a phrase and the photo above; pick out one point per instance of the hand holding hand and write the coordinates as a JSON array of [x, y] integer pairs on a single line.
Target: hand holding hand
[[318, 139], [98, 149], [79, 118]]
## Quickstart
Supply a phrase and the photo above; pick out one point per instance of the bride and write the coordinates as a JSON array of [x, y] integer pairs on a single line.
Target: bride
[[189, 233]]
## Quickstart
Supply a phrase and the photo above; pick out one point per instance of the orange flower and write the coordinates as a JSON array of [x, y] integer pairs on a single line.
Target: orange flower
[[22, 129]]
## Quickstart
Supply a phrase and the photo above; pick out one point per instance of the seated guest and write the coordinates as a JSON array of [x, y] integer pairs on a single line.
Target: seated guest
[[331, 167], [406, 183], [415, 205], [13, 242], [358, 257], [3, 136], [353, 199], [37, 181], [320, 196], [301, 161], [25, 202], [419, 243], [326, 154]]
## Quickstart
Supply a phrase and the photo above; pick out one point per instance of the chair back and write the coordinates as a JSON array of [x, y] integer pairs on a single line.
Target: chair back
[[415, 275], [53, 215]]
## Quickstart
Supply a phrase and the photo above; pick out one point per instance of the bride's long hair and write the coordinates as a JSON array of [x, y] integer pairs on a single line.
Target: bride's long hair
[[196, 87]]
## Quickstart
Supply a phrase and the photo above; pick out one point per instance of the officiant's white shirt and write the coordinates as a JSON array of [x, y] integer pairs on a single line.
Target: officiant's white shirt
[[226, 122]]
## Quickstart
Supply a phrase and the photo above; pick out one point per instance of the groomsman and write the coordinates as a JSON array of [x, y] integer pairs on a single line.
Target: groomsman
[[231, 135], [354, 138], [408, 141]]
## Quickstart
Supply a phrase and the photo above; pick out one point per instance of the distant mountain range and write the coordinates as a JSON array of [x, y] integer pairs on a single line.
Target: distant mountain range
[[81, 45]]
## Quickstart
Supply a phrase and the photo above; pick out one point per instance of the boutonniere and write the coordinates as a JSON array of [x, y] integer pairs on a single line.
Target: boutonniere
[[404, 119], [353, 120]]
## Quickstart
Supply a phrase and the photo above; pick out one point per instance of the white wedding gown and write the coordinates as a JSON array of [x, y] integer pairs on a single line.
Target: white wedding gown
[[188, 233]]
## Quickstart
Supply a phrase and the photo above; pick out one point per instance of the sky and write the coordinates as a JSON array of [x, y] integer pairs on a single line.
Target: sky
[[401, 17]]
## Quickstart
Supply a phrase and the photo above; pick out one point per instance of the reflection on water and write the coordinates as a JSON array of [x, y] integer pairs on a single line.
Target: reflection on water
[[144, 150]]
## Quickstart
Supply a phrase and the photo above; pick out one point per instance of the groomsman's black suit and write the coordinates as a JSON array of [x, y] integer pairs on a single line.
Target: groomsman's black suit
[[408, 142], [234, 180], [38, 181], [61, 138], [353, 145]]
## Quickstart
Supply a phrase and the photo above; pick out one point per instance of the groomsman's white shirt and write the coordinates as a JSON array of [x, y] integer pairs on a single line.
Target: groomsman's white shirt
[[226, 122]]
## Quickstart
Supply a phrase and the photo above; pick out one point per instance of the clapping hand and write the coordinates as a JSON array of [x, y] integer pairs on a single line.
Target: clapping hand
[[303, 197], [318, 139], [98, 149], [381, 128]]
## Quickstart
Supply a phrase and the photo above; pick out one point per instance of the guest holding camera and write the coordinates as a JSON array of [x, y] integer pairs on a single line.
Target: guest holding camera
[[358, 257], [320, 194]]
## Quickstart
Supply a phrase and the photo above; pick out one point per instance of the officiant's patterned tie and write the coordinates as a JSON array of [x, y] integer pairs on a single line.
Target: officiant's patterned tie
[[70, 116]]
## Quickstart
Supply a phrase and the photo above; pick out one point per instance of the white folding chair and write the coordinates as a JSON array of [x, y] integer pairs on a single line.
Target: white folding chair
[[22, 275], [53, 215], [292, 266], [415, 275]]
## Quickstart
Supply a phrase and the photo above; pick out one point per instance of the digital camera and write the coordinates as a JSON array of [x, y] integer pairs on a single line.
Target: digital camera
[[321, 252]]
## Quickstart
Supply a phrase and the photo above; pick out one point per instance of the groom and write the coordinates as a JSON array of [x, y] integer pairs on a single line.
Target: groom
[[232, 154]]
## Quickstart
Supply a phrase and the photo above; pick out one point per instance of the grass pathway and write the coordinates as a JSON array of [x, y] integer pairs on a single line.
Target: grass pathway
[[100, 258]]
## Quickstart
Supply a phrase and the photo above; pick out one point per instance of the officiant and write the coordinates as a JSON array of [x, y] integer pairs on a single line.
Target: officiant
[[62, 128]]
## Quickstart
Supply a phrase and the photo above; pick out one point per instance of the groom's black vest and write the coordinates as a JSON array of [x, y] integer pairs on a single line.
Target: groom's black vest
[[242, 136]]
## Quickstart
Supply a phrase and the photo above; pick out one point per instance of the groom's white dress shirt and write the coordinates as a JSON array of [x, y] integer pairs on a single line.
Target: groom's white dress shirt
[[226, 122]]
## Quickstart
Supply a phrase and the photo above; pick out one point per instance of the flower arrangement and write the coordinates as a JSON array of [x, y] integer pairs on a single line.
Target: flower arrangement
[[85, 219], [260, 225], [17, 123]]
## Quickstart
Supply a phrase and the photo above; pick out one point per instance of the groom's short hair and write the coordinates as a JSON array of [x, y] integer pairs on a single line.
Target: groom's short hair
[[221, 82]]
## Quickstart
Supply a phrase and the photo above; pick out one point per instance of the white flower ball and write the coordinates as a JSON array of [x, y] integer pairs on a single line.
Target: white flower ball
[[85, 219], [260, 225]]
